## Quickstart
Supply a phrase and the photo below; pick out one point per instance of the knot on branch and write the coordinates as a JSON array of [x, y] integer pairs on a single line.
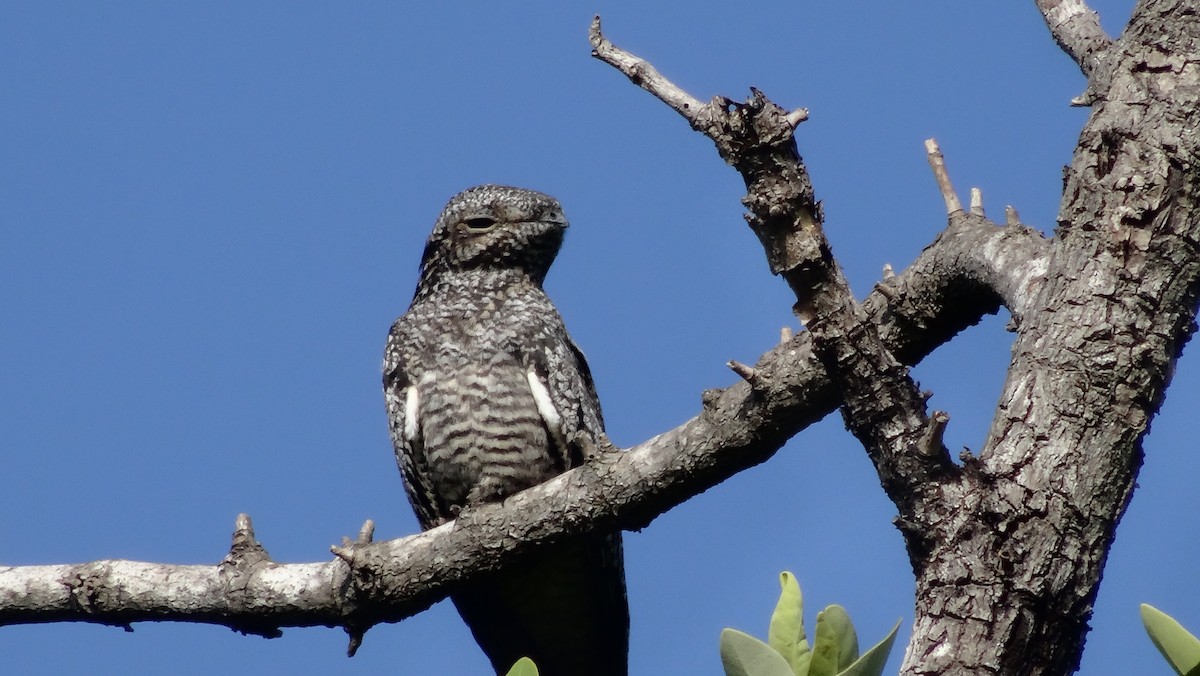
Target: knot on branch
[[245, 552], [743, 130], [359, 574], [91, 596], [245, 558], [748, 373], [350, 550]]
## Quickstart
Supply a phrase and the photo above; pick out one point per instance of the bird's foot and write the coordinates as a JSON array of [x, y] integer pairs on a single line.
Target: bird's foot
[[593, 450]]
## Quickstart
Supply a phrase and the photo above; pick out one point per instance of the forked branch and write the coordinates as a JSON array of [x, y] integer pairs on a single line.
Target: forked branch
[[882, 404]]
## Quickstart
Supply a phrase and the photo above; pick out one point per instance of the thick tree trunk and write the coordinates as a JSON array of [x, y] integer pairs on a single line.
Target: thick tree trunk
[[1019, 542]]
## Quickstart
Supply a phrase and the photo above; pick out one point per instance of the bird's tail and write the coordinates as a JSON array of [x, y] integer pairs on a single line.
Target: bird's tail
[[565, 607]]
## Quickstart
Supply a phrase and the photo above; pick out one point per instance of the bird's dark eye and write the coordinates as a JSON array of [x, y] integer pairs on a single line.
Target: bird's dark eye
[[479, 224]]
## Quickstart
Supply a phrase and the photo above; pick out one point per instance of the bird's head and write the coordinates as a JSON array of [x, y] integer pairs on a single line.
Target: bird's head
[[496, 227]]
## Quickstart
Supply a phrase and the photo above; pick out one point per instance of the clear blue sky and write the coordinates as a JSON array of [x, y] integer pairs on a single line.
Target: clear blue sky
[[211, 213]]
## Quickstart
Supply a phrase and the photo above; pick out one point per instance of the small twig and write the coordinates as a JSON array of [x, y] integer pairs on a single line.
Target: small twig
[[345, 551], [931, 441], [243, 528], [245, 549], [748, 373], [1011, 217], [797, 116], [977, 202], [366, 534], [710, 397], [938, 164], [645, 75], [356, 639]]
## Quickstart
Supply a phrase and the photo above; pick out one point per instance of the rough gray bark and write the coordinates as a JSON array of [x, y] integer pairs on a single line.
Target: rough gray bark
[[1007, 547], [1018, 541]]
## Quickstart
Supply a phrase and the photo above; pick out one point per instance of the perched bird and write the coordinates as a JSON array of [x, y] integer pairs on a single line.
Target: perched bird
[[485, 392]]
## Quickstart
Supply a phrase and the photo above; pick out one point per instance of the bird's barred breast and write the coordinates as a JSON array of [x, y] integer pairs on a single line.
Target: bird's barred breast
[[484, 437]]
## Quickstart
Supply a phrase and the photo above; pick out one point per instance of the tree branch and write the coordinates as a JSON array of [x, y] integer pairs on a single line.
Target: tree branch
[[755, 137], [644, 75], [881, 404], [243, 592], [1076, 29], [1014, 265], [938, 163], [926, 305]]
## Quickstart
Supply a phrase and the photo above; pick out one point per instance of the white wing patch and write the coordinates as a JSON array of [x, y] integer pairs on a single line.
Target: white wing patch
[[411, 407], [545, 407]]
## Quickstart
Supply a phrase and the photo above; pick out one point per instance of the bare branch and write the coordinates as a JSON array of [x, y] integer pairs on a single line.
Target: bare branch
[[797, 116], [747, 373], [241, 592], [1076, 29], [882, 405], [931, 442], [977, 202], [756, 138], [366, 534], [1014, 267], [643, 74], [938, 164], [345, 553]]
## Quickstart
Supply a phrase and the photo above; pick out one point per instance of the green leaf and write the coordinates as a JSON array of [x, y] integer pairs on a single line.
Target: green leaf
[[744, 655], [523, 667], [1180, 647], [786, 634], [835, 645], [874, 660]]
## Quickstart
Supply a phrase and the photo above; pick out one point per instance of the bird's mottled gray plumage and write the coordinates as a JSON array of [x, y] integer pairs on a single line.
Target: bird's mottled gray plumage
[[484, 390]]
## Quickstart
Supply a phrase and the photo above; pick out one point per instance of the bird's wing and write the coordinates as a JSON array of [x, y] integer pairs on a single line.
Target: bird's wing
[[589, 384], [403, 404], [563, 371]]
